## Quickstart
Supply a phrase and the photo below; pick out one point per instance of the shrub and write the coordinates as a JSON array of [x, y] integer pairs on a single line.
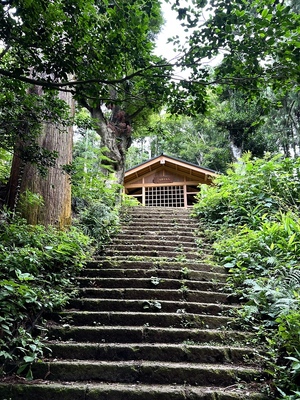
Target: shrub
[[254, 212], [251, 190], [100, 222], [37, 270]]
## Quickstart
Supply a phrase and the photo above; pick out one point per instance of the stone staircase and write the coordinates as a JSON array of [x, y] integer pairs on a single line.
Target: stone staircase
[[151, 323]]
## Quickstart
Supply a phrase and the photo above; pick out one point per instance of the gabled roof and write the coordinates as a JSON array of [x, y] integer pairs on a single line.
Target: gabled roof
[[181, 166]]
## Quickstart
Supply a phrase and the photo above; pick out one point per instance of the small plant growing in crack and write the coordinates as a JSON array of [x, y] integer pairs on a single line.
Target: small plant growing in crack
[[180, 258], [189, 342], [185, 272], [184, 290], [199, 242], [179, 248]]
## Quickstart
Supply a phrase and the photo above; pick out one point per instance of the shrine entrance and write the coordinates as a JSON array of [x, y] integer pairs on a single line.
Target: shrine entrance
[[166, 182], [164, 196]]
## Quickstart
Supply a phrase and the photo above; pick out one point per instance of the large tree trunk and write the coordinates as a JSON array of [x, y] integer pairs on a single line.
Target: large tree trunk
[[55, 188], [116, 136], [236, 151]]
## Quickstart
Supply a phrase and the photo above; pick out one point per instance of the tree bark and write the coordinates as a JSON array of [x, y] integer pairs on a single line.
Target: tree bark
[[116, 136], [55, 188]]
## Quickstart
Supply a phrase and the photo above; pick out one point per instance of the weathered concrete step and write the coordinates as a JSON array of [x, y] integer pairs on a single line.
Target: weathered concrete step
[[168, 237], [140, 232], [104, 262], [145, 334], [155, 253], [171, 219], [159, 227], [151, 352], [152, 246], [166, 221], [145, 273], [147, 283], [153, 319], [151, 213], [165, 306], [117, 391], [160, 294], [149, 372], [173, 245], [154, 209]]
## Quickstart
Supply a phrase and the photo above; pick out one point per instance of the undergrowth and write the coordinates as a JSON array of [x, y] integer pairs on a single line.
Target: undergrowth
[[38, 266], [253, 212]]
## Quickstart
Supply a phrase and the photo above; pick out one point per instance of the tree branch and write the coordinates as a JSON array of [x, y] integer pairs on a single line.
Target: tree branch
[[59, 85]]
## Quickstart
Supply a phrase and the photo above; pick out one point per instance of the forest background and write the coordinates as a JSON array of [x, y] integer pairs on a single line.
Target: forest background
[[92, 65]]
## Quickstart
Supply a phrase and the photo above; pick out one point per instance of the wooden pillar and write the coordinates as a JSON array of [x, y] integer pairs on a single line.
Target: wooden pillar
[[185, 196]]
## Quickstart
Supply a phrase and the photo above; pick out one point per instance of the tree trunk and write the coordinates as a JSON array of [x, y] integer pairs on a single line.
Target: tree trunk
[[236, 152], [55, 188], [116, 136]]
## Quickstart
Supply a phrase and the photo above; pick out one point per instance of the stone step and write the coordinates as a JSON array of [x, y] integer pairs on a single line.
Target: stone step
[[147, 372], [160, 220], [150, 318], [147, 273], [155, 253], [104, 262], [152, 246], [151, 352], [151, 323], [150, 242], [171, 236], [96, 304], [180, 218], [145, 283], [145, 334], [119, 391], [154, 211], [172, 284], [159, 227], [141, 231], [160, 294]]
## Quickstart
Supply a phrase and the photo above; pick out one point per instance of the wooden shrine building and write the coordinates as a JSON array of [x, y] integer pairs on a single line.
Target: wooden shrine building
[[165, 181]]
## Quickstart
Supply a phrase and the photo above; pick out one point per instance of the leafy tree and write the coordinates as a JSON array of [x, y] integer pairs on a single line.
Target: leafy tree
[[102, 54], [258, 40], [60, 46], [240, 118], [283, 123], [196, 140], [40, 152]]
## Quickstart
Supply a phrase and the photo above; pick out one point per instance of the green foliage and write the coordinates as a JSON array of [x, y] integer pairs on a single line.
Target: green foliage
[[95, 193], [91, 174], [37, 270], [29, 200], [254, 211], [5, 164], [100, 222], [250, 190], [54, 42], [196, 140], [24, 110], [260, 38]]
